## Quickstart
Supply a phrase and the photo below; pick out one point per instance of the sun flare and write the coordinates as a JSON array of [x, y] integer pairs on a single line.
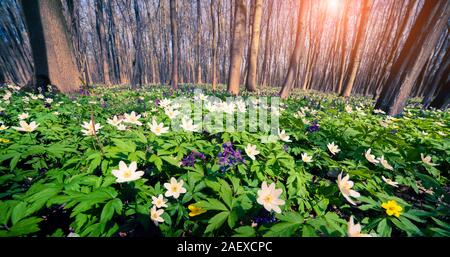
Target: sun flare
[[334, 5]]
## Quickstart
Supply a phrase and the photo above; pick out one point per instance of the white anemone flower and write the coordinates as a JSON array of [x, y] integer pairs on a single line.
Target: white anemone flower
[[370, 157], [385, 164], [121, 127], [269, 197], [251, 151], [389, 182], [132, 118], [90, 128], [188, 125], [348, 109], [165, 102], [171, 113], [354, 230], [427, 160], [25, 127], [174, 188], [23, 116], [155, 215], [283, 136], [306, 158], [159, 201], [345, 186], [115, 121], [127, 173], [157, 129], [334, 149]]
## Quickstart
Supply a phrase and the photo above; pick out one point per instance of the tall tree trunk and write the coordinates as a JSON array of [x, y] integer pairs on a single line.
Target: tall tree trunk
[[355, 56], [254, 46], [174, 34], [137, 63], [199, 31], [237, 47], [442, 99], [439, 78], [264, 75], [53, 53], [295, 57], [213, 46], [420, 43]]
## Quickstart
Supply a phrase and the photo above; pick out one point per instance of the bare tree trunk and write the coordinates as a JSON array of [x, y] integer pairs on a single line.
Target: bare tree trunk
[[254, 46], [264, 71], [213, 46], [295, 57], [174, 34], [355, 56], [442, 99], [53, 53], [199, 31], [420, 43], [237, 47]]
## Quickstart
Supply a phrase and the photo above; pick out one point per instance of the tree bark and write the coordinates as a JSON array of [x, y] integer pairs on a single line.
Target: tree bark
[[52, 51], [420, 43], [355, 56], [174, 34], [295, 57], [237, 47], [254, 46]]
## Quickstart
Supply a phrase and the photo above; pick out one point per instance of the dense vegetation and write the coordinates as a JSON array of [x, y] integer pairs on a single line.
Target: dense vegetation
[[65, 176]]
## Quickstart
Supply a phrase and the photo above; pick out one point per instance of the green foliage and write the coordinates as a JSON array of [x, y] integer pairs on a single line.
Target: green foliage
[[58, 171]]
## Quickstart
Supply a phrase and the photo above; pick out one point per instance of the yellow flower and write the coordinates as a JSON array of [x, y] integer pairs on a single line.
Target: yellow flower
[[392, 208], [2, 140], [195, 210]]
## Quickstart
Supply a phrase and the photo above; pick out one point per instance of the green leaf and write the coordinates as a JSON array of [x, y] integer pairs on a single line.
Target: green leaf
[[226, 193], [212, 204], [128, 146], [108, 210], [216, 221], [19, 212], [245, 231], [383, 228], [25, 226]]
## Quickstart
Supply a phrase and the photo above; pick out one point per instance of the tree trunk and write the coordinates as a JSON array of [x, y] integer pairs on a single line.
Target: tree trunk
[[420, 43], [174, 34], [199, 31], [53, 53], [295, 57], [355, 56], [442, 99], [264, 70], [213, 47], [254, 46], [237, 47]]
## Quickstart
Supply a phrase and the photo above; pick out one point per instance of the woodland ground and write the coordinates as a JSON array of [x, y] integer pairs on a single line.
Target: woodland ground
[[64, 177]]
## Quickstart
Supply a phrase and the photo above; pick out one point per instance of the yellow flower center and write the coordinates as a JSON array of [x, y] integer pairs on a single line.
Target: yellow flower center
[[158, 129], [127, 174], [268, 199], [174, 188]]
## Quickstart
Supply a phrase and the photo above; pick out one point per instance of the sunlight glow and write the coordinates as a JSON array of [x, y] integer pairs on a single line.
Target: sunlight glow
[[334, 5]]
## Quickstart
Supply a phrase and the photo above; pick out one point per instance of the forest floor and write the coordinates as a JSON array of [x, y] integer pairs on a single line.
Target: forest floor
[[121, 162]]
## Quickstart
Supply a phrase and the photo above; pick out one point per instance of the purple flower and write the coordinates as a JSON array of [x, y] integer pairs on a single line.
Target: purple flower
[[189, 160], [265, 217], [229, 157], [314, 127]]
